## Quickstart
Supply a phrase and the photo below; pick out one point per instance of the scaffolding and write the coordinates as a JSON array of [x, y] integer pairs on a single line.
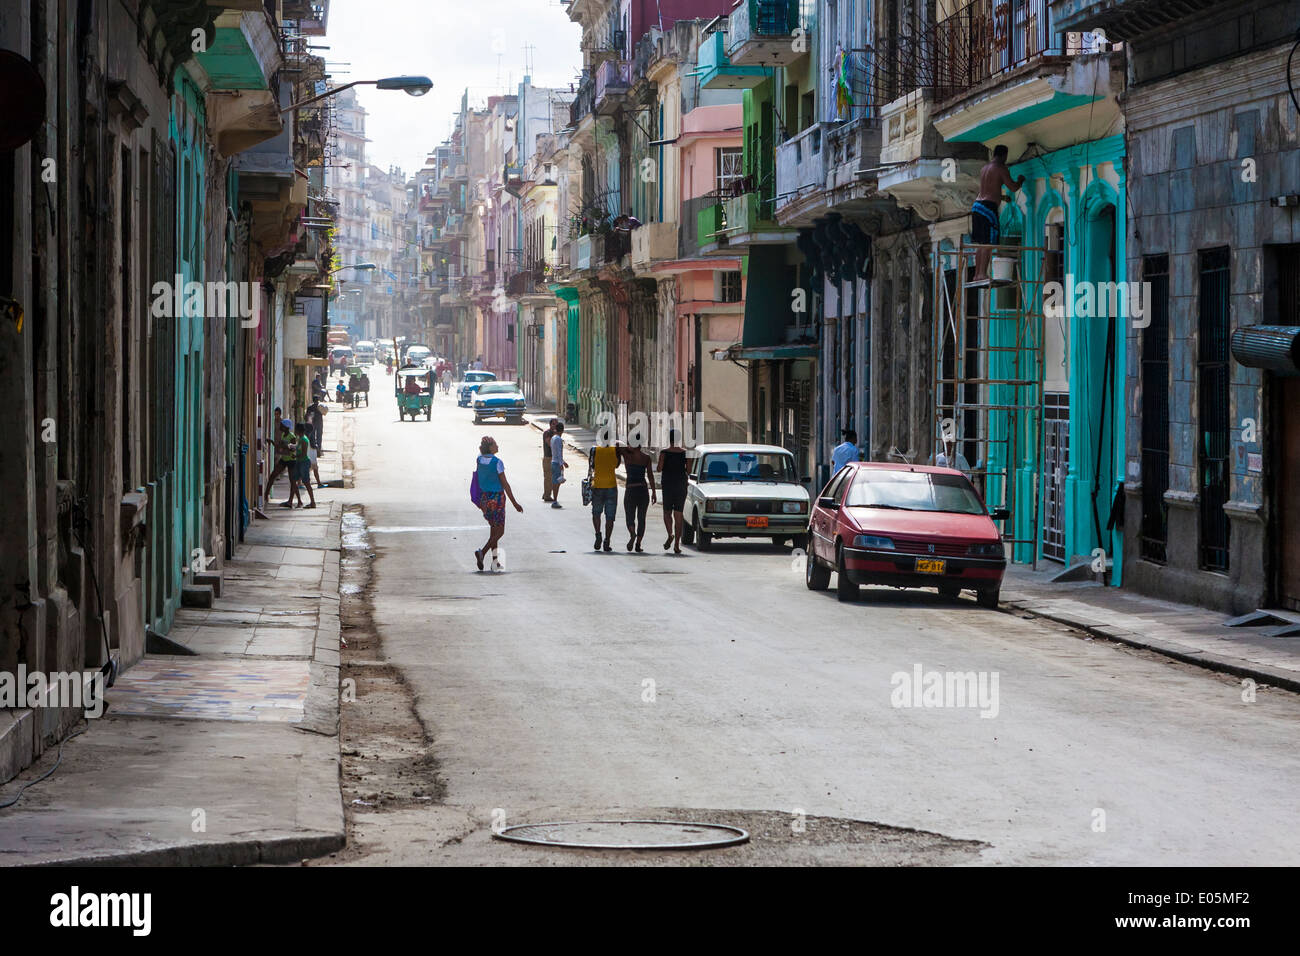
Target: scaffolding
[[988, 355]]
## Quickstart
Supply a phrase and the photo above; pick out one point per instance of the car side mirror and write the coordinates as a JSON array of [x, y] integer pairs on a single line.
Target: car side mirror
[[1000, 514], [827, 502]]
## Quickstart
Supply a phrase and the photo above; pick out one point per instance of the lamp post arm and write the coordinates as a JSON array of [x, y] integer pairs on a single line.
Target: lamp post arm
[[321, 96]]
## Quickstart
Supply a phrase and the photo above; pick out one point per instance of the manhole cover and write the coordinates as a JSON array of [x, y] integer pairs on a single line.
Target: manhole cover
[[625, 834]]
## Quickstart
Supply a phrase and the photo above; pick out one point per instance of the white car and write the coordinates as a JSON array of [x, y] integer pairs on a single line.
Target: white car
[[745, 491]]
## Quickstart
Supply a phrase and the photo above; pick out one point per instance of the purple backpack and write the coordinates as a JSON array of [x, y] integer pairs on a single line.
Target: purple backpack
[[474, 493]]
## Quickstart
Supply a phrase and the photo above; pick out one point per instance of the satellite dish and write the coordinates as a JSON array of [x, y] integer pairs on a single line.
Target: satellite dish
[[22, 100]]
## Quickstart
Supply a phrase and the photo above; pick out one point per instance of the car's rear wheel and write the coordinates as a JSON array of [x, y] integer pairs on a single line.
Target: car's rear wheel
[[800, 541], [845, 589], [815, 576], [778, 540], [989, 597], [949, 591]]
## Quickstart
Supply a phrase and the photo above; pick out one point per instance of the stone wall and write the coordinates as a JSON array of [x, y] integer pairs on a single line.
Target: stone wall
[[1208, 149]]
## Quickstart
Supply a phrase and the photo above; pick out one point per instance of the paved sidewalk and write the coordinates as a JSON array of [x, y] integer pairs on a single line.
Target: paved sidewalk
[[1184, 632], [226, 755]]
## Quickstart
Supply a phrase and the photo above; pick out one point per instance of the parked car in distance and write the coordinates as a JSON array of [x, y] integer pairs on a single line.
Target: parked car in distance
[[341, 356], [745, 491], [906, 526], [499, 400], [470, 384]]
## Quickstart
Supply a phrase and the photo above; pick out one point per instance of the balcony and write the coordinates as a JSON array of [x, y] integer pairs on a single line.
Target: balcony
[[762, 33], [851, 148], [582, 252], [615, 246], [918, 168], [800, 168], [1024, 77], [1124, 19], [717, 72], [311, 17], [243, 58], [583, 101], [710, 227], [613, 80], [653, 242], [520, 283], [457, 225]]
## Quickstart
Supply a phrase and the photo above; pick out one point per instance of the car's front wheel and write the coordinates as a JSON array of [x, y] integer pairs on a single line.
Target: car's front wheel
[[845, 589], [703, 540], [815, 576], [989, 597]]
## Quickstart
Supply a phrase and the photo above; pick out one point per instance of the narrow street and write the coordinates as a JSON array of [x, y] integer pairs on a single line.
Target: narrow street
[[767, 698]]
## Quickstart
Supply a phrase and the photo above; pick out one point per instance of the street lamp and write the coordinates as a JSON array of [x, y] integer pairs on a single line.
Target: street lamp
[[363, 266], [410, 85]]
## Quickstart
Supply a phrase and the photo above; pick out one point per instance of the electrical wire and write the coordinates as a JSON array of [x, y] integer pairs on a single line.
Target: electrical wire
[[1290, 87], [31, 783]]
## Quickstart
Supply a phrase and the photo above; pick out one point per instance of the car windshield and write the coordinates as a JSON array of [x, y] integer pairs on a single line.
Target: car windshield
[[913, 491], [498, 388], [479, 376], [747, 466]]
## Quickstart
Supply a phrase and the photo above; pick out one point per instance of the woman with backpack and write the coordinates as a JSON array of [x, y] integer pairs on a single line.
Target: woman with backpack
[[489, 490]]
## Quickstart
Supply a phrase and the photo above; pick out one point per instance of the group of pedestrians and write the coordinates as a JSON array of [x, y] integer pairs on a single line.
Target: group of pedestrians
[[640, 493], [490, 490], [296, 448]]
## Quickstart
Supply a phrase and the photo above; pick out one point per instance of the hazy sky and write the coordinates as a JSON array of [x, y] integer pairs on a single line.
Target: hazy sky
[[477, 44]]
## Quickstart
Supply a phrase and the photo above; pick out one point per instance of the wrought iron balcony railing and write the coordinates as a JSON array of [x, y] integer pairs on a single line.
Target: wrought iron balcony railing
[[980, 41]]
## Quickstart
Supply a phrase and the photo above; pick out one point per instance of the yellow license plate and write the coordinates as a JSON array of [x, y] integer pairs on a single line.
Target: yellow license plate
[[756, 521], [929, 566]]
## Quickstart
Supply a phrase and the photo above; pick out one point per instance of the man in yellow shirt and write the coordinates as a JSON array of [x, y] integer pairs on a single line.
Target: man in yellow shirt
[[604, 490]]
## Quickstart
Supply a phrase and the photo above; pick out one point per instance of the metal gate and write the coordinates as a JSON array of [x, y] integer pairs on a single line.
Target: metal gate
[[1056, 465]]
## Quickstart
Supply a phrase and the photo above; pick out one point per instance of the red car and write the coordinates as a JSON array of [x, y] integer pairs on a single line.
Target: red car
[[906, 526]]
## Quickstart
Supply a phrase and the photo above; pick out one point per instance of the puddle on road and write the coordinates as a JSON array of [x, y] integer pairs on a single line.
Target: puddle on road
[[353, 534]]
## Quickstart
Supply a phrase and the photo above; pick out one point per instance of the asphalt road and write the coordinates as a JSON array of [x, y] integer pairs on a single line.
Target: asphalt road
[[576, 682]]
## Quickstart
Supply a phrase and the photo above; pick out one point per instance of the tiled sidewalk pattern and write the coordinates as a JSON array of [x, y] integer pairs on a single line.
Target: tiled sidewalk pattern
[[205, 689]]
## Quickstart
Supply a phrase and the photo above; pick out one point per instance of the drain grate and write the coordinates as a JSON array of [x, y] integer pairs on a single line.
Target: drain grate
[[625, 835]]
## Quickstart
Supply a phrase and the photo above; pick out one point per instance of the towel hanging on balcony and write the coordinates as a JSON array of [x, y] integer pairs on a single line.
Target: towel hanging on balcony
[[843, 88]]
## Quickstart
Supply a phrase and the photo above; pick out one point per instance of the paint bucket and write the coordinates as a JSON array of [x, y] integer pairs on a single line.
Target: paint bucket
[[1003, 269]]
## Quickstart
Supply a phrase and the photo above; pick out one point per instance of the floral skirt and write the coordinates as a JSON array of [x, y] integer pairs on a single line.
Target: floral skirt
[[494, 506]]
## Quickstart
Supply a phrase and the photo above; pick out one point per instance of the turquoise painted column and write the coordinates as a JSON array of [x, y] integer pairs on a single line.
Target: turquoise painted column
[[1093, 412], [188, 122], [1118, 400], [1075, 491]]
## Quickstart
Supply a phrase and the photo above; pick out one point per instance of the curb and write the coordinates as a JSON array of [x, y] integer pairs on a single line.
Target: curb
[[276, 850], [1261, 673]]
